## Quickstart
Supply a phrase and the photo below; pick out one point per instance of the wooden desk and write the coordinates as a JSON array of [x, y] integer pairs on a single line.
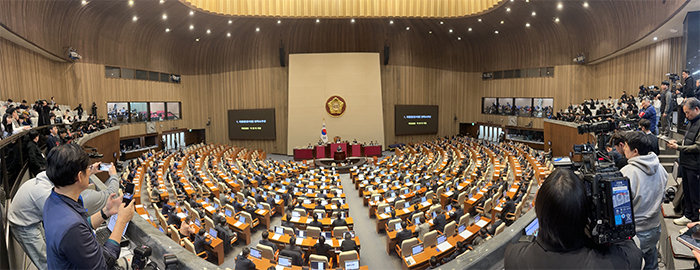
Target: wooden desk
[[391, 238], [242, 229], [308, 242], [263, 263], [264, 217], [216, 247]]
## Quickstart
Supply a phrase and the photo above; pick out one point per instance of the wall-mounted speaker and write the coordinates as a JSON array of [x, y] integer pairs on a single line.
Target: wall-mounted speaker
[[386, 55], [282, 57]]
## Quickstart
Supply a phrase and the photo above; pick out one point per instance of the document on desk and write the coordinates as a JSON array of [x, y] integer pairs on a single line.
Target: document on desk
[[449, 194], [294, 219], [181, 215], [299, 241], [279, 267], [444, 246], [481, 223], [498, 208], [425, 203], [513, 190], [210, 208], [383, 216], [237, 224], [276, 236], [465, 234], [410, 260]]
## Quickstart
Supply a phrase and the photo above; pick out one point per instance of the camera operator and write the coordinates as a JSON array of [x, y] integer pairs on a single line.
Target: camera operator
[[688, 89], [647, 182], [690, 162], [668, 105], [70, 243], [561, 207], [616, 150]]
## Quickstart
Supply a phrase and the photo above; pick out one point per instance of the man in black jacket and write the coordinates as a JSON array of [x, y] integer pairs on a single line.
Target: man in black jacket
[[225, 234], [403, 234], [52, 140], [37, 161], [316, 223], [349, 244], [644, 125], [242, 261], [294, 252], [264, 241], [690, 162], [322, 249], [439, 221], [339, 222]]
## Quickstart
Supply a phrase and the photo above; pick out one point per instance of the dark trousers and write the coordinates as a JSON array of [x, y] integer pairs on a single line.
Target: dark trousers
[[691, 192]]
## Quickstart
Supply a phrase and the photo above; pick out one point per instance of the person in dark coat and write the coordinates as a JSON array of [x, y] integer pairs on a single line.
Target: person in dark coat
[[440, 221], [403, 234], [80, 111], [242, 261], [37, 161], [349, 244], [52, 140]]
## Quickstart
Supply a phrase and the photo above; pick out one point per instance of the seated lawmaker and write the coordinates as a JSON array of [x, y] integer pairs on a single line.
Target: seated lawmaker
[[561, 241], [294, 252], [242, 261], [265, 241], [349, 244], [70, 243], [323, 249]]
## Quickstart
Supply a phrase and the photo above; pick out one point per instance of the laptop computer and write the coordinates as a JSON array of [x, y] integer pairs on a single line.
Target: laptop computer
[[228, 213], [255, 253], [212, 232], [318, 265], [284, 261], [441, 239], [417, 249], [352, 265]]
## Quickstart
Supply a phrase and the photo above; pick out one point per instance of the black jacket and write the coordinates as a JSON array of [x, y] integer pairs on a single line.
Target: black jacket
[[403, 235], [688, 89], [339, 223], [440, 222], [225, 234], [51, 142], [317, 224], [243, 263], [322, 249], [294, 253], [689, 151], [269, 244], [654, 143], [37, 162], [537, 255], [200, 242], [349, 245]]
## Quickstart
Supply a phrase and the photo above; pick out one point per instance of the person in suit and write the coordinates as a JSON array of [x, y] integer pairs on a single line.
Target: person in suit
[[225, 234], [422, 228], [457, 212], [480, 237], [293, 251], [316, 223], [440, 221], [434, 263], [322, 249], [644, 125], [403, 234], [339, 222], [52, 140], [319, 206], [508, 207], [200, 241], [173, 219], [265, 241], [349, 243], [37, 161], [242, 261]]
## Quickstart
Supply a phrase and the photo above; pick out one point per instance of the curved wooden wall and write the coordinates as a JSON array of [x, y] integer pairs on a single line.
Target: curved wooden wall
[[346, 8]]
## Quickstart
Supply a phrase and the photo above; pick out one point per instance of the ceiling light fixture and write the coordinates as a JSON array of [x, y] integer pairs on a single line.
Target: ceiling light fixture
[[585, 4], [478, 20], [560, 6], [318, 20], [161, 1], [408, 28], [196, 39], [131, 3], [556, 19], [208, 31], [527, 1], [228, 34], [430, 32], [656, 38], [352, 20], [230, 21], [279, 21], [469, 29], [191, 12], [441, 22], [133, 19], [459, 38], [502, 22], [507, 9], [257, 29], [83, 2], [495, 32], [167, 30], [165, 16], [451, 31], [527, 24], [191, 26], [533, 14], [391, 22]]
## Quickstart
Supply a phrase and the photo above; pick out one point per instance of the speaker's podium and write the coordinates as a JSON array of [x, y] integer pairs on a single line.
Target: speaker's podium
[[340, 154]]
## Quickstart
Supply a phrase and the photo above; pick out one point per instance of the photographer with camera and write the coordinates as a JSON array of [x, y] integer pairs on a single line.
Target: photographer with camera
[[647, 182], [561, 207], [690, 162]]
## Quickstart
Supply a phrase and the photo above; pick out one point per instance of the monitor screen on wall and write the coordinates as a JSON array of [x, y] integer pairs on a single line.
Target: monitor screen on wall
[[254, 124], [416, 119]]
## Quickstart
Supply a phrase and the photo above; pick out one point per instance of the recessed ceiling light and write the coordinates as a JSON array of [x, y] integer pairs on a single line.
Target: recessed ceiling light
[[478, 20], [451, 31], [527, 24], [512, 0], [495, 32], [556, 19], [191, 26], [131, 3], [527, 1], [585, 4], [196, 39], [441, 22], [673, 30], [135, 18], [507, 9], [279, 21], [208, 31], [391, 22], [165, 16], [656, 38], [469, 29], [459, 38], [83, 2], [257, 29], [502, 22], [161, 1], [533, 14], [191, 12], [318, 20], [560, 6], [230, 21], [352, 20], [408, 28], [228, 34], [167, 30], [430, 32]]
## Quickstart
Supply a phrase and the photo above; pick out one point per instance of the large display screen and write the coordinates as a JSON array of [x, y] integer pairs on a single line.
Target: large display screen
[[415, 119], [255, 124]]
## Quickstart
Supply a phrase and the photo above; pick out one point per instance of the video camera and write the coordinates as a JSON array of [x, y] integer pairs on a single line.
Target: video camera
[[610, 216]]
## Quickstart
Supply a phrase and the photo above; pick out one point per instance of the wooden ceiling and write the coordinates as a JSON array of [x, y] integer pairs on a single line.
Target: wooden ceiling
[[345, 8], [105, 32]]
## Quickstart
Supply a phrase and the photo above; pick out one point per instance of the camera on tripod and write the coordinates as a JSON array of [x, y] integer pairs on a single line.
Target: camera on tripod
[[610, 216]]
